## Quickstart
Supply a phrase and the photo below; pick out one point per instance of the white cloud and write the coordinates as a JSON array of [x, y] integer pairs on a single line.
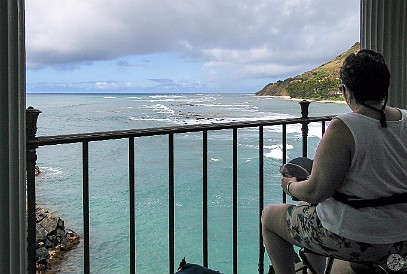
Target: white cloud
[[105, 85], [264, 37]]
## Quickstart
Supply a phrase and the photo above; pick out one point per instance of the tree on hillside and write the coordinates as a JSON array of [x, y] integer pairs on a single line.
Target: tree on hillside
[[314, 87]]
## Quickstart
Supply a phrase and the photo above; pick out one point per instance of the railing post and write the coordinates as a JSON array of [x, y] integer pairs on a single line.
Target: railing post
[[205, 197], [261, 198], [85, 203], [132, 206], [171, 201], [304, 129], [284, 138], [235, 201], [31, 158]]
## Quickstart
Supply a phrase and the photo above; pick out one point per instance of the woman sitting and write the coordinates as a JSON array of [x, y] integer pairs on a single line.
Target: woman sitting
[[358, 180]]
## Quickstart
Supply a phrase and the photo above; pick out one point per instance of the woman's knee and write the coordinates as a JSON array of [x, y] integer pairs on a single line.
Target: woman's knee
[[273, 214], [267, 213]]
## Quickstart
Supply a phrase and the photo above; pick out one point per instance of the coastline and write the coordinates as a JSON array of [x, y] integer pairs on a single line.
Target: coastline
[[301, 99]]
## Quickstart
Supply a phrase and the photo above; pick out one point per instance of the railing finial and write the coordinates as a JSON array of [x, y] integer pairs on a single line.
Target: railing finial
[[304, 108], [31, 115]]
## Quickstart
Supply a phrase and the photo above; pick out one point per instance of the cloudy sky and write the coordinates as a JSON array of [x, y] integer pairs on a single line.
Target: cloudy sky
[[181, 45]]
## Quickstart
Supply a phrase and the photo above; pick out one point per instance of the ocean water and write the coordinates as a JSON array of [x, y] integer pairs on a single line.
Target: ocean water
[[59, 186]]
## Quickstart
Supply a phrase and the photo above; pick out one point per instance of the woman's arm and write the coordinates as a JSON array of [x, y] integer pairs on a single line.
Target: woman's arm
[[331, 163]]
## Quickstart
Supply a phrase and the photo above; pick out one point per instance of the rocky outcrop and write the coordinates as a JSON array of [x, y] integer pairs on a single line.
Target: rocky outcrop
[[53, 240], [37, 170], [275, 89]]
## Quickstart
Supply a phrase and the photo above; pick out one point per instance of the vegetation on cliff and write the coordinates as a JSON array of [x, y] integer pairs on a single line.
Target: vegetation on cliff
[[320, 83]]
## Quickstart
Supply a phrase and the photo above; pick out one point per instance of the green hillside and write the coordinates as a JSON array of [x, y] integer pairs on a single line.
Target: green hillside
[[320, 83]]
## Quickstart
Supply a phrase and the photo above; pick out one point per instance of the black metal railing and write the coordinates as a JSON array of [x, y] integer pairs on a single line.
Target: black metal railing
[[34, 142]]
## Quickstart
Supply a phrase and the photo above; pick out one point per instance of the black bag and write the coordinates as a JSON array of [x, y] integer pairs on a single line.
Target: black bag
[[187, 268]]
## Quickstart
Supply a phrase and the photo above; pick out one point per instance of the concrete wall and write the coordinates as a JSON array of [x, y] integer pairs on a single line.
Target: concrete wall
[[12, 138]]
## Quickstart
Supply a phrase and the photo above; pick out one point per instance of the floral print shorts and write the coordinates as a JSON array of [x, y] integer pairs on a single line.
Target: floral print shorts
[[307, 230]]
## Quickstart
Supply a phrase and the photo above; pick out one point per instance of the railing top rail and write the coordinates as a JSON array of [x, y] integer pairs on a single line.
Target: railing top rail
[[110, 135]]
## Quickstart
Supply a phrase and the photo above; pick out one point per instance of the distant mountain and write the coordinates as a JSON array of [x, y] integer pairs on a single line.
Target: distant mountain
[[318, 84]]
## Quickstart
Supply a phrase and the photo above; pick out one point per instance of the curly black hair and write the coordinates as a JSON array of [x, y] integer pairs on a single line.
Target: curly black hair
[[366, 74]]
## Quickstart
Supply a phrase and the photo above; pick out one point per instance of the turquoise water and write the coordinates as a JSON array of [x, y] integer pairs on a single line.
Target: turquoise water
[[59, 186]]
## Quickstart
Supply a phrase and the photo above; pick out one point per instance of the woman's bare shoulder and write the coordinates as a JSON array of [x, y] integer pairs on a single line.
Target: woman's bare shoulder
[[337, 144], [339, 128]]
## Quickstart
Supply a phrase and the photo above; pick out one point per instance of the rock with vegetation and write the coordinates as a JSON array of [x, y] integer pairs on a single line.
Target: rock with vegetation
[[278, 88], [53, 240], [320, 83]]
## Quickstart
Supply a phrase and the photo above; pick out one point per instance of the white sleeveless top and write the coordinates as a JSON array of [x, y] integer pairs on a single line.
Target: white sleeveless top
[[378, 169]]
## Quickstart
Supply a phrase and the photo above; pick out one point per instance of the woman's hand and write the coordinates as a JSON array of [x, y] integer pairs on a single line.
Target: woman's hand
[[285, 181]]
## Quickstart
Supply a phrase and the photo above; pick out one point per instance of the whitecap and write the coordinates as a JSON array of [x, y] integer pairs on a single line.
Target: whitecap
[[214, 120], [132, 118], [314, 130], [214, 105], [163, 100], [276, 151], [166, 96], [49, 172], [160, 108]]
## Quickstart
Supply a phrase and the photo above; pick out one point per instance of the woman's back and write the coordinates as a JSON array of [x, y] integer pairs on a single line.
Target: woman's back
[[378, 169]]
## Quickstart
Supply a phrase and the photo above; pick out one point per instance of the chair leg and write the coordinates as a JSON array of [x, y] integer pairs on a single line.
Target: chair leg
[[380, 269], [305, 261], [329, 264]]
